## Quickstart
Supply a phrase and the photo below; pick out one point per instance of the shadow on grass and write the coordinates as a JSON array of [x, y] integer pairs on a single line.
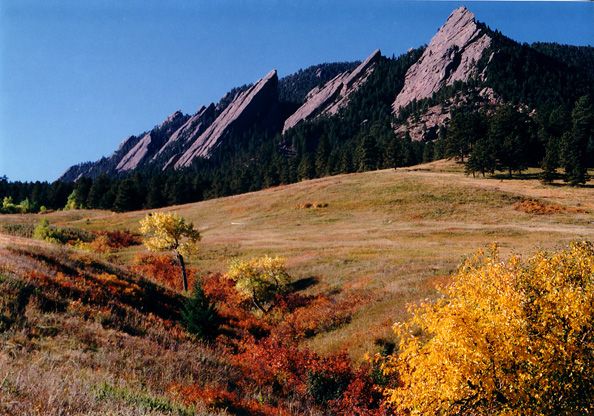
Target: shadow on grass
[[517, 176], [537, 176], [305, 283], [567, 185]]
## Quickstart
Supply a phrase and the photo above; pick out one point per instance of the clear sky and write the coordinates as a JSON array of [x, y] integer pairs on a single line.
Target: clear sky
[[77, 77]]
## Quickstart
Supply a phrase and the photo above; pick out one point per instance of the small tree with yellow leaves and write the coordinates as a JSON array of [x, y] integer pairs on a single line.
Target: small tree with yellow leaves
[[169, 232], [507, 338], [260, 280]]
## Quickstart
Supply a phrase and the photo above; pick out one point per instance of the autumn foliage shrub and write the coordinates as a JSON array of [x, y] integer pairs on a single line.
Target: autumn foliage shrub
[[119, 239], [507, 338], [260, 280], [275, 368], [162, 269]]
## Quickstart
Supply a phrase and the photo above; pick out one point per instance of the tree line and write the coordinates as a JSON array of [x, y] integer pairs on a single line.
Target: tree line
[[511, 140]]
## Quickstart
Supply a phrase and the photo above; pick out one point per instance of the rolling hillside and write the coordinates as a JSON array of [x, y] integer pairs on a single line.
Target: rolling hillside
[[385, 237]]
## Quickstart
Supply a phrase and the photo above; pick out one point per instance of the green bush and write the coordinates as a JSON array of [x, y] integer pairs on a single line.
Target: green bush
[[50, 233]]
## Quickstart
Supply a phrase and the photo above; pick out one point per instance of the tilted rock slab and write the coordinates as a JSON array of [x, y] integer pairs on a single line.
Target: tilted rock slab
[[186, 134], [151, 142], [245, 106], [450, 56], [329, 98]]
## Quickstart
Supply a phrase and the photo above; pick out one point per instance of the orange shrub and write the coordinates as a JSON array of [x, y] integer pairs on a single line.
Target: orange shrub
[[162, 269]]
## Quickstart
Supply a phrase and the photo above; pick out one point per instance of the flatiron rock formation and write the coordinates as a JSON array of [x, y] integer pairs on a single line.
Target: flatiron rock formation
[[151, 143], [332, 96], [185, 135], [255, 102], [450, 56]]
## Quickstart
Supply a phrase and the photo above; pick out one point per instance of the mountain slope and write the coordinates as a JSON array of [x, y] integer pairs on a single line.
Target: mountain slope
[[347, 117]]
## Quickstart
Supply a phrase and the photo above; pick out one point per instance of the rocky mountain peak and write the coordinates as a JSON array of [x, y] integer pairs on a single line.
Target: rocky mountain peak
[[333, 95], [254, 103], [174, 117], [450, 56], [151, 142]]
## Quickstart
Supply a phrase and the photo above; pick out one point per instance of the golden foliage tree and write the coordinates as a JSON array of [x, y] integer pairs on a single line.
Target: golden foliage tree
[[260, 279], [506, 338], [169, 232]]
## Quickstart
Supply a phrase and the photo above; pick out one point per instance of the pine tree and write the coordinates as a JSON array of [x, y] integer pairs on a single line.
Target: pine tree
[[575, 145], [509, 134], [199, 315], [98, 189], [428, 152], [125, 197], [306, 169], [550, 162], [322, 153], [482, 158], [346, 160], [366, 154], [155, 197]]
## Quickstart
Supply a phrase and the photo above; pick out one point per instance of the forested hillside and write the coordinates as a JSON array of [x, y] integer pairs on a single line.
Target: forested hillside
[[517, 106]]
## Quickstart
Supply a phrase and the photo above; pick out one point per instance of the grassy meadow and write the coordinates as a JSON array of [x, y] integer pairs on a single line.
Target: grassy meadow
[[384, 238], [85, 332]]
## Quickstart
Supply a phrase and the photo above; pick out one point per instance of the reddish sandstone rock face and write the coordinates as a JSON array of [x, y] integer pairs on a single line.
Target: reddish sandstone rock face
[[450, 56], [334, 95], [252, 103]]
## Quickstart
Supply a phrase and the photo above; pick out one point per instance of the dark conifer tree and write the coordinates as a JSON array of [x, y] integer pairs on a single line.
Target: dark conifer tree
[[366, 153], [126, 197], [306, 167], [575, 145], [199, 314], [322, 153]]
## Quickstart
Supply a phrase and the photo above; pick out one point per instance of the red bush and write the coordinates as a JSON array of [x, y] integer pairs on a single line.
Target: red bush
[[120, 239], [162, 269]]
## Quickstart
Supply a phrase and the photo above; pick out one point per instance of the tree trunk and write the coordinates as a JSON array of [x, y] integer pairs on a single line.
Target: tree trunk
[[257, 303], [183, 268]]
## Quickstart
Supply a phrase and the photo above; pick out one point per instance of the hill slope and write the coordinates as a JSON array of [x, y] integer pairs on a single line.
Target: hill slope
[[86, 334], [380, 237]]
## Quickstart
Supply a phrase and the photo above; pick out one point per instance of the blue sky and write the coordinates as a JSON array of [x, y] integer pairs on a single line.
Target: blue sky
[[77, 77]]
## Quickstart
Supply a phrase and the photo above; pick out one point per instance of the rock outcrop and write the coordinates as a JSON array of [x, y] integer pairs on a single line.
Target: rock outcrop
[[333, 95], [151, 143], [425, 126], [185, 135], [450, 56], [258, 101]]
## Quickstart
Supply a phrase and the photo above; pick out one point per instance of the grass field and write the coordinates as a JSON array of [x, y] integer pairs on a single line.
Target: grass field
[[385, 237]]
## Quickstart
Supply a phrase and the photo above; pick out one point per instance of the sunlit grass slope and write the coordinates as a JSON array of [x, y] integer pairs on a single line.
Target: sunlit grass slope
[[386, 237]]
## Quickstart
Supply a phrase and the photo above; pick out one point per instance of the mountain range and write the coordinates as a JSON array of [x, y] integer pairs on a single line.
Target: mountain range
[[465, 64]]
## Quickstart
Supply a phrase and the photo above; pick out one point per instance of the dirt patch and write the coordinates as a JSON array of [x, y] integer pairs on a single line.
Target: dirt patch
[[533, 206]]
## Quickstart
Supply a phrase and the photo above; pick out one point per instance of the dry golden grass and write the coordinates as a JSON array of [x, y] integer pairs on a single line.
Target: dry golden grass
[[384, 235]]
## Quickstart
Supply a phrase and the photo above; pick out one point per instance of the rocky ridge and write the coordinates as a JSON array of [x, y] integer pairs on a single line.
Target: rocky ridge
[[425, 125], [151, 142], [450, 56], [186, 134], [329, 98], [252, 103]]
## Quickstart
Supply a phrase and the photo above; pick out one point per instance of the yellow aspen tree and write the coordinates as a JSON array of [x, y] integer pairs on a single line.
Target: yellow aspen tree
[[506, 338], [164, 231], [260, 279]]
